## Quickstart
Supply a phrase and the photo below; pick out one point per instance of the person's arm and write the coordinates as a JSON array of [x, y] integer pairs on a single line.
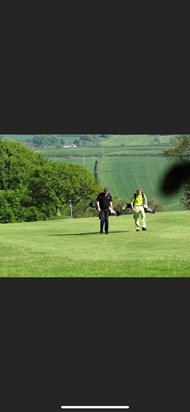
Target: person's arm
[[98, 205], [145, 200], [111, 205], [132, 205]]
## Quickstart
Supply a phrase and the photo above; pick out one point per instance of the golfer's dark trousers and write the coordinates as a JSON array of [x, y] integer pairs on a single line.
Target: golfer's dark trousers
[[104, 216]]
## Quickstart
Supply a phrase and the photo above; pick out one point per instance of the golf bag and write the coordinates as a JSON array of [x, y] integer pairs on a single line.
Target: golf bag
[[112, 212], [146, 208]]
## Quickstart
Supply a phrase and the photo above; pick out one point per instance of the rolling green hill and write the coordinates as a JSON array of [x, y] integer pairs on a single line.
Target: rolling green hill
[[124, 174]]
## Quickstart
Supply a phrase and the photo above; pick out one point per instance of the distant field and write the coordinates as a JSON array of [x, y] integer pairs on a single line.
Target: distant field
[[74, 248], [105, 150], [137, 139], [87, 162]]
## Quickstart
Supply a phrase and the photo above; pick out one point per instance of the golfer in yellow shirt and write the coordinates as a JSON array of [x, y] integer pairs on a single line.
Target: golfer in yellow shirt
[[137, 201]]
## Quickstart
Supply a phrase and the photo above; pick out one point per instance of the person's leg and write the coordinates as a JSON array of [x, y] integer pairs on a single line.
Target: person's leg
[[143, 216], [136, 218], [102, 221], [106, 221]]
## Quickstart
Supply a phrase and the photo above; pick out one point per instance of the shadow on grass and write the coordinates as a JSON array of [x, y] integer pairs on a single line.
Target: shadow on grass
[[89, 233]]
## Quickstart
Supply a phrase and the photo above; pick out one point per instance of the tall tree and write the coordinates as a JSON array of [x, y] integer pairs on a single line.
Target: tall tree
[[181, 148], [178, 177]]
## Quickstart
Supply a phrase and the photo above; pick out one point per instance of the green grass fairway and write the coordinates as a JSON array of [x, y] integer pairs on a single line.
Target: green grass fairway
[[74, 248]]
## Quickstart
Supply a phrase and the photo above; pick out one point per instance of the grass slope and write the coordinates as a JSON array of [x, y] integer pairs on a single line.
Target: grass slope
[[74, 248], [124, 174]]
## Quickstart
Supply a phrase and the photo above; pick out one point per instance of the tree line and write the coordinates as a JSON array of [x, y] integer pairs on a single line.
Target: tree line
[[34, 188]]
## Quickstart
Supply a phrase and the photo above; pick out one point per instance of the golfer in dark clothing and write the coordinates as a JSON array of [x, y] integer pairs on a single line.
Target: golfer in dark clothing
[[103, 202]]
